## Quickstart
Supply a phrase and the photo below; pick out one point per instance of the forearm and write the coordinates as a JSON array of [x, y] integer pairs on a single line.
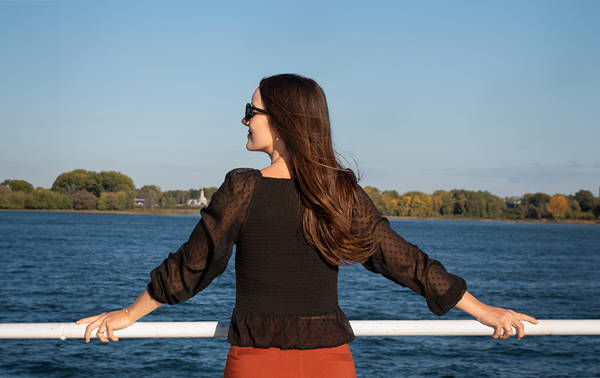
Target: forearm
[[143, 305], [472, 305]]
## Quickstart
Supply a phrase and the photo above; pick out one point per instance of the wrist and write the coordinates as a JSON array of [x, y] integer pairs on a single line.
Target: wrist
[[472, 306], [128, 313]]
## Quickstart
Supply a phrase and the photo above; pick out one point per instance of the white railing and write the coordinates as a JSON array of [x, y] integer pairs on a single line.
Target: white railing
[[63, 331]]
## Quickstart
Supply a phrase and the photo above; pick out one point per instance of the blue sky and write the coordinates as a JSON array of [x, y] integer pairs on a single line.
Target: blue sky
[[477, 95]]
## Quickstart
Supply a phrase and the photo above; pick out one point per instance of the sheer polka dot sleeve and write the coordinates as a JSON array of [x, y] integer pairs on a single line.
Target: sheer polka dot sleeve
[[405, 264], [207, 252]]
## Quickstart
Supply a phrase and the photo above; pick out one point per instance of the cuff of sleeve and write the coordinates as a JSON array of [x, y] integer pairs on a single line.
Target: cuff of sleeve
[[153, 293], [444, 303]]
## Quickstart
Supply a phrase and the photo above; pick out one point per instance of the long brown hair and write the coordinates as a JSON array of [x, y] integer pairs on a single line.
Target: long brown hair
[[330, 193]]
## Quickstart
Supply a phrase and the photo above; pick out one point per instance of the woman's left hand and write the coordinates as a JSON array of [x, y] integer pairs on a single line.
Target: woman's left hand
[[503, 320]]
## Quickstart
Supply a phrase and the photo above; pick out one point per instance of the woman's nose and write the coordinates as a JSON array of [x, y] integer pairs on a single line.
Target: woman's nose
[[244, 122]]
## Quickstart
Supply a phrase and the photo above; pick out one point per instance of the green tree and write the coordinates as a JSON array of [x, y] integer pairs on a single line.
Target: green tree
[[535, 205], [112, 181], [121, 199], [46, 199], [151, 195], [194, 193], [447, 205], [178, 197], [19, 186], [460, 202], [167, 202], [14, 200], [573, 210], [112, 201], [79, 179], [106, 201], [585, 199]]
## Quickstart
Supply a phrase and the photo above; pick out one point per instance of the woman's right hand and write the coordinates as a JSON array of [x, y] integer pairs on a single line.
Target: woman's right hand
[[107, 323]]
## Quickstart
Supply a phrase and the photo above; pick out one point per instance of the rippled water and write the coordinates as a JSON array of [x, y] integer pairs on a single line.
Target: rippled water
[[58, 267]]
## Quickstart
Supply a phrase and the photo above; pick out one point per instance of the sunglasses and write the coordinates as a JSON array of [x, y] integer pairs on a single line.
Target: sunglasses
[[250, 112]]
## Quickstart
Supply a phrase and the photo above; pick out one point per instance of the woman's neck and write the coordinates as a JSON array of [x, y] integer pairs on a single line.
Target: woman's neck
[[278, 168]]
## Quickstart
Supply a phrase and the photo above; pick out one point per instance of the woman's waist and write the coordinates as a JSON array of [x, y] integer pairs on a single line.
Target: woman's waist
[[297, 330], [286, 299]]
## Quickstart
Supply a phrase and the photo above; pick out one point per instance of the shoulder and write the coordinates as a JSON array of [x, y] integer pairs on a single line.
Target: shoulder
[[242, 174], [239, 179], [239, 184]]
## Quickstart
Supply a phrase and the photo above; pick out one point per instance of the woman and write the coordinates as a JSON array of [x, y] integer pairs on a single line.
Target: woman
[[293, 223]]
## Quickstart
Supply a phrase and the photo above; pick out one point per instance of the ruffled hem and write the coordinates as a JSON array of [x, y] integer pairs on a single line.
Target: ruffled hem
[[289, 331]]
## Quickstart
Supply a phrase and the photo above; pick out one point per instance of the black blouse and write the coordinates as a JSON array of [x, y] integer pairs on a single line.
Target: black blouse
[[286, 293]]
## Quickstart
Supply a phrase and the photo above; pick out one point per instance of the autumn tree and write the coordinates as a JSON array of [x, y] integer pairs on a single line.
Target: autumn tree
[[557, 206], [84, 200], [389, 200], [420, 204], [376, 197]]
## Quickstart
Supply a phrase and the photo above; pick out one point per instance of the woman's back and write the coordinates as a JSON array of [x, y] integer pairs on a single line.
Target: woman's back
[[286, 293], [277, 271]]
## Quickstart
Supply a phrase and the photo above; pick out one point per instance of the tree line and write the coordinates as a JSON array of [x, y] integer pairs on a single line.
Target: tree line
[[482, 204], [110, 190], [81, 189]]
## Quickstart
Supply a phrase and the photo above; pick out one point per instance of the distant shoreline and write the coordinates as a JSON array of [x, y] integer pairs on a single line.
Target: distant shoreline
[[196, 212], [578, 221], [156, 211]]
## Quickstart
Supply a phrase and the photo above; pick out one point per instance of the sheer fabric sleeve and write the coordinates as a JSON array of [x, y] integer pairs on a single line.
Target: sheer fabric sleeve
[[407, 265], [207, 252]]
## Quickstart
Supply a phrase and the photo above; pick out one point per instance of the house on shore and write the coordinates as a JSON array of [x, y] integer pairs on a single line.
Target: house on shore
[[199, 202]]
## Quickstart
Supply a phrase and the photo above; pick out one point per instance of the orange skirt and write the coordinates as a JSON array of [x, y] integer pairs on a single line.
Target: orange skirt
[[336, 362]]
